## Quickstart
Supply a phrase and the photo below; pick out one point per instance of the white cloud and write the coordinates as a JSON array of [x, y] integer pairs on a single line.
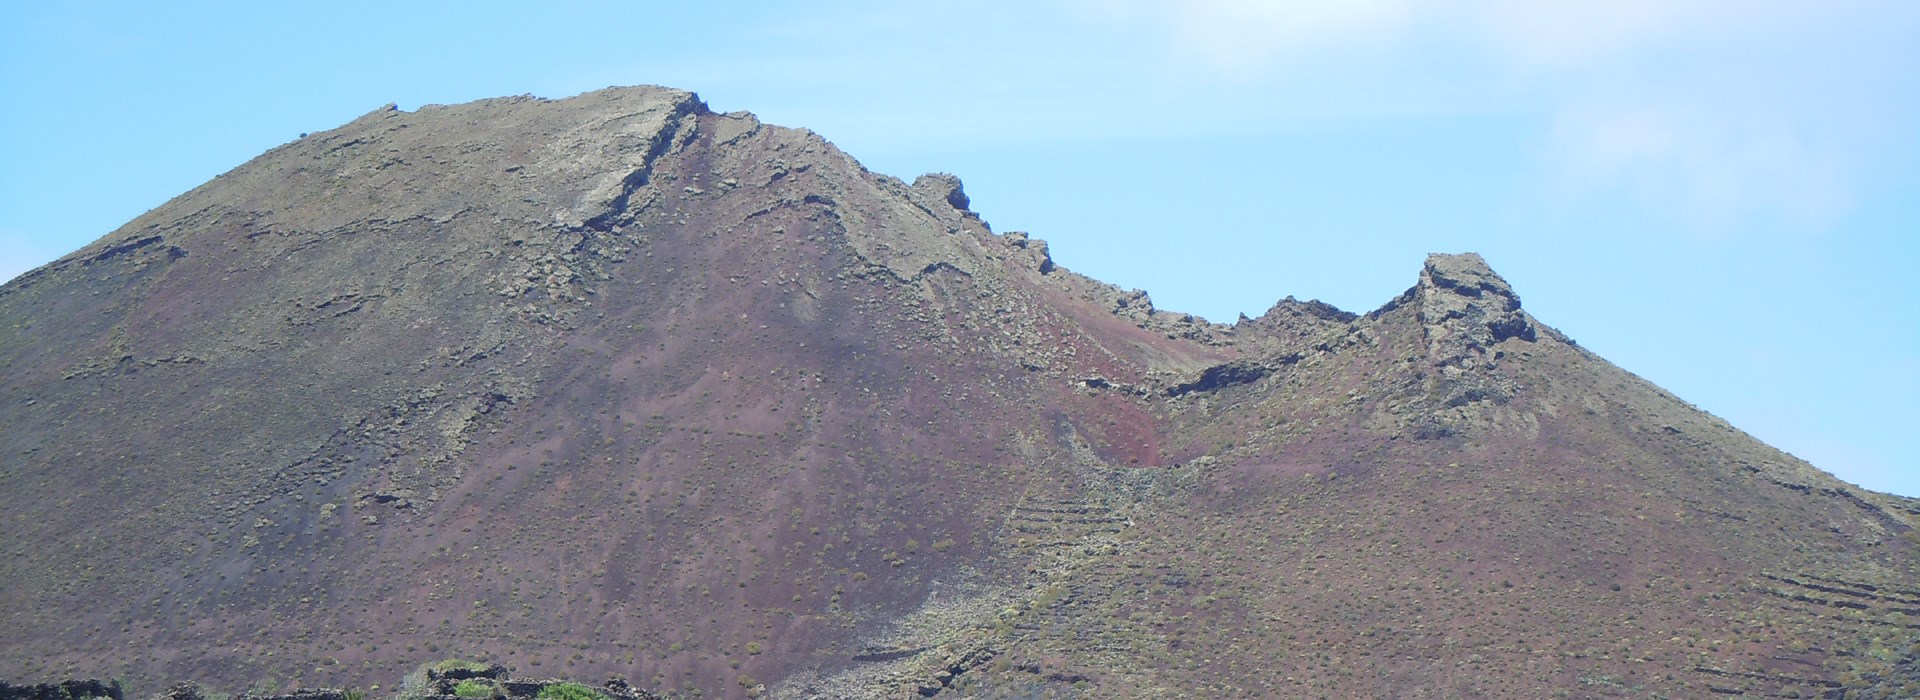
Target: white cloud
[[1537, 36], [1715, 112], [1241, 38], [1711, 167]]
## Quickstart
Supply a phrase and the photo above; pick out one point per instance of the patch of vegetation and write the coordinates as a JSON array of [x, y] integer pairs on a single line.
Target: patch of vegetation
[[570, 691], [473, 688], [446, 665]]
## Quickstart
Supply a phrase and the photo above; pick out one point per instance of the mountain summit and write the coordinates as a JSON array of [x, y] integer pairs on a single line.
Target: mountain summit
[[616, 384]]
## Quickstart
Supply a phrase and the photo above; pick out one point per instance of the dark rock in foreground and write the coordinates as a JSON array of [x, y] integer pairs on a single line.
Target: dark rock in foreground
[[88, 689]]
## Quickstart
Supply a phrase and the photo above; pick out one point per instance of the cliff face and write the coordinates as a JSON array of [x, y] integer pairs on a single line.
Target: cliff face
[[616, 384]]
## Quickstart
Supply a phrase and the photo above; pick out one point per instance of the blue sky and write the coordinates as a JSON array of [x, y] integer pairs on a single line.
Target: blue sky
[[1721, 196]]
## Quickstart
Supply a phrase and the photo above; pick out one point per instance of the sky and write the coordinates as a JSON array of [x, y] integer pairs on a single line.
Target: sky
[[1720, 196]]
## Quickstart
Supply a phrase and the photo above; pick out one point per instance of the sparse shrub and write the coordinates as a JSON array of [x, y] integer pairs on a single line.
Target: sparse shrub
[[473, 688]]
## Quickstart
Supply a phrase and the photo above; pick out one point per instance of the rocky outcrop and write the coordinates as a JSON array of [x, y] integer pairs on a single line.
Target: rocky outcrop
[[181, 691], [1041, 260], [64, 690], [1225, 375], [451, 681], [465, 682], [302, 694], [944, 187], [1465, 308]]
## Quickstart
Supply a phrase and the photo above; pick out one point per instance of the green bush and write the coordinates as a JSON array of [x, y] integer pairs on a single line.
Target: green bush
[[473, 688], [445, 665], [570, 691]]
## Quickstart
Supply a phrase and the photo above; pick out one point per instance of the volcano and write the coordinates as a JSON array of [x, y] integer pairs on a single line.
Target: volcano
[[619, 385]]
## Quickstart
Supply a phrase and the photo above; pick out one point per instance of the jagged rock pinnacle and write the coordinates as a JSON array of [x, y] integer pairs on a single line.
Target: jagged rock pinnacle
[[946, 187], [1466, 308], [1467, 275]]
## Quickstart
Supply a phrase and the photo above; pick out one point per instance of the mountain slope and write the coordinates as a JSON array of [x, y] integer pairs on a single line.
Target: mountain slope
[[616, 384]]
